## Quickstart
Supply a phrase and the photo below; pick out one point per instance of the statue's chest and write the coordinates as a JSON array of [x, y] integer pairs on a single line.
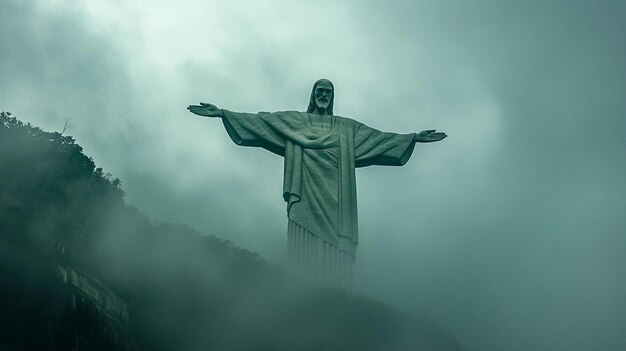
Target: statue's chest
[[319, 127]]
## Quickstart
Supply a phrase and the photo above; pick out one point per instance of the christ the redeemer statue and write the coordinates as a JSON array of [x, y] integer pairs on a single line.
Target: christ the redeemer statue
[[321, 151]]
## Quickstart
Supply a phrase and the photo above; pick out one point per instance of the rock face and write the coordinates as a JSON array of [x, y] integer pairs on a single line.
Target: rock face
[[105, 313], [47, 307]]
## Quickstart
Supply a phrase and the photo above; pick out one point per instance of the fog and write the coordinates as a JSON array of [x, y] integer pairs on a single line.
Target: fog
[[510, 233]]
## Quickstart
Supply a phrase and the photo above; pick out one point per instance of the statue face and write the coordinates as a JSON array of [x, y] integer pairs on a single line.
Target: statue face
[[323, 95]]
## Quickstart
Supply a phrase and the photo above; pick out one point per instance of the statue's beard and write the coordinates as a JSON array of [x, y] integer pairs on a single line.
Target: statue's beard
[[322, 104]]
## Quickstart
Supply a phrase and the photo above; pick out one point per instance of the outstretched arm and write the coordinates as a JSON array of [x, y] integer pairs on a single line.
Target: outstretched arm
[[429, 136], [373, 147], [245, 129], [206, 110]]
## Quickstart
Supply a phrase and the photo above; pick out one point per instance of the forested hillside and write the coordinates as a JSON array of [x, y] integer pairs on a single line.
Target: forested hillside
[[82, 270]]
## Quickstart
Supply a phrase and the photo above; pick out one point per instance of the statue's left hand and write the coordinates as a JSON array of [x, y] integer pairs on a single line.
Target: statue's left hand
[[206, 110], [429, 136]]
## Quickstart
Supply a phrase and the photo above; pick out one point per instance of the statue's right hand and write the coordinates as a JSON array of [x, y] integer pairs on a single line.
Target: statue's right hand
[[206, 110]]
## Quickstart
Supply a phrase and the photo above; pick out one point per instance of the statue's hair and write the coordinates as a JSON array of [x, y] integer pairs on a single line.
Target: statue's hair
[[311, 107]]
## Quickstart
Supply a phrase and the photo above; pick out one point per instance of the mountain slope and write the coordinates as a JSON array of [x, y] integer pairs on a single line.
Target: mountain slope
[[180, 290]]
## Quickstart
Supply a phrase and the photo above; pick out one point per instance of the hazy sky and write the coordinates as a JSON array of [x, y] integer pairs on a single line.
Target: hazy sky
[[511, 233]]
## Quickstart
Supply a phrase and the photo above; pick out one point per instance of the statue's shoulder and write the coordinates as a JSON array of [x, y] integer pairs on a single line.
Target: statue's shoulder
[[348, 122]]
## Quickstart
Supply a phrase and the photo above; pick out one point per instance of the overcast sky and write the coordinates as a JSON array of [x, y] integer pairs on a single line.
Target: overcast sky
[[511, 233]]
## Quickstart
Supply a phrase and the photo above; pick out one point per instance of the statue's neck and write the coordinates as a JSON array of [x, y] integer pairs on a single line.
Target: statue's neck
[[321, 111]]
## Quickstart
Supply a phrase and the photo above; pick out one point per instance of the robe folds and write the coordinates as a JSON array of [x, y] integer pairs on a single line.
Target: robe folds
[[320, 156]]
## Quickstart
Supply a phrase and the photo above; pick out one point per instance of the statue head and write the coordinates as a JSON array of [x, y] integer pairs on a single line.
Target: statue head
[[322, 96]]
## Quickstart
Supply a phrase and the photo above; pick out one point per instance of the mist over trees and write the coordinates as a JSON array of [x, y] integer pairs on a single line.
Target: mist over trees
[[153, 286]]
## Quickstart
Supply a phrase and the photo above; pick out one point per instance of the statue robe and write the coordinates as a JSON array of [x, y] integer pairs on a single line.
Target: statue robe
[[320, 155]]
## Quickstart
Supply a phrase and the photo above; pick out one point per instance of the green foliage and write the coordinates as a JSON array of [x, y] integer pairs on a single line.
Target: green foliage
[[51, 193]]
